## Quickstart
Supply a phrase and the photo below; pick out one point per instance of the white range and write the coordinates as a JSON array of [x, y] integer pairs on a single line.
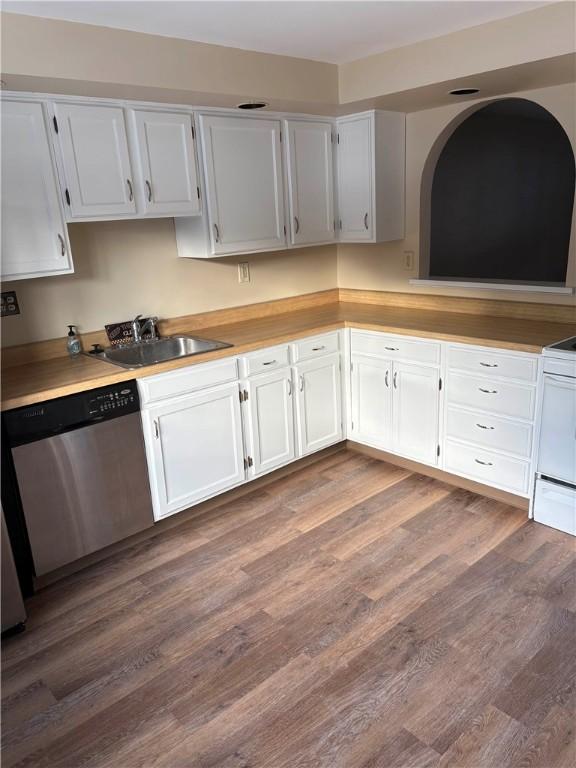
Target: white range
[[555, 490]]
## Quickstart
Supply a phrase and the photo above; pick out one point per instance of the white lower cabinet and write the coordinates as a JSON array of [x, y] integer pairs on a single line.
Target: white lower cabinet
[[194, 446], [269, 420], [371, 408], [319, 403], [395, 406], [415, 405]]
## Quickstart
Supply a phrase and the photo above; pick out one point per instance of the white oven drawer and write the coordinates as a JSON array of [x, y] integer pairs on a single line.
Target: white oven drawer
[[555, 505], [493, 363], [557, 449], [382, 345], [489, 431], [492, 395], [487, 467]]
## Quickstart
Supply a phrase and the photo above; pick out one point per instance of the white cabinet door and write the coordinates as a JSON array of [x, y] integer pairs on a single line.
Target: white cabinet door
[[244, 184], [319, 404], [415, 404], [168, 164], [310, 182], [371, 396], [34, 233], [194, 447], [355, 178], [270, 420], [96, 161]]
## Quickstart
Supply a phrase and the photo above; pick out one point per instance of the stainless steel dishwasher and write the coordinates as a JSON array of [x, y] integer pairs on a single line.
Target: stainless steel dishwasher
[[81, 470]]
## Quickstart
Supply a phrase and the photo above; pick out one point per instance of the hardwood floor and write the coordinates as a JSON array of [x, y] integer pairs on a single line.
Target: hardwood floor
[[351, 615]]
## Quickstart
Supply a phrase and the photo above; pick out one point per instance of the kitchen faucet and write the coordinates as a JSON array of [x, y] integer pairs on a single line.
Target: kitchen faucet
[[139, 330]]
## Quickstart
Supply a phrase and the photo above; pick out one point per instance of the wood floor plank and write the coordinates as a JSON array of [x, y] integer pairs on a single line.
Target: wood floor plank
[[349, 615]]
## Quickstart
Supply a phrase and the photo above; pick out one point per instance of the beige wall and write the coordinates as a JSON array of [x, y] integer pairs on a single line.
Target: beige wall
[[537, 35], [135, 64], [123, 268], [381, 267]]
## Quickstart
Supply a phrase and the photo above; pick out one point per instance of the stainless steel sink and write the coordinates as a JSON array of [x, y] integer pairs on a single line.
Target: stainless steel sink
[[158, 351]]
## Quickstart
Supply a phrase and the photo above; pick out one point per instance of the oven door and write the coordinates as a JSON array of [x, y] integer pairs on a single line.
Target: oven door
[[557, 450]]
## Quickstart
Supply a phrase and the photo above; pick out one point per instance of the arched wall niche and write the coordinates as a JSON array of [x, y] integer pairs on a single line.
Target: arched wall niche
[[429, 203]]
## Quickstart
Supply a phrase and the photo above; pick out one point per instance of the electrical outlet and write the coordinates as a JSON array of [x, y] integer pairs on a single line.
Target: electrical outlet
[[409, 260], [244, 272], [9, 304]]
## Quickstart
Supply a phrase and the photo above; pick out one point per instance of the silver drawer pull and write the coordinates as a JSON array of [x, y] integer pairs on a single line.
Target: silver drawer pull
[[301, 383], [386, 378], [392, 349], [269, 362], [488, 391], [156, 429], [317, 349], [483, 426], [395, 379], [484, 463], [289, 386], [489, 365]]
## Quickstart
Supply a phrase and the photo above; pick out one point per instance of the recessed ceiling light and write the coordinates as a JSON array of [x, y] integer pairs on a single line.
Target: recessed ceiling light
[[463, 91], [252, 105]]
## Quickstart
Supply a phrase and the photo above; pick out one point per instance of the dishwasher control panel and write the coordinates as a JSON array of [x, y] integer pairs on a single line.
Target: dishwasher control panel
[[118, 399], [63, 414]]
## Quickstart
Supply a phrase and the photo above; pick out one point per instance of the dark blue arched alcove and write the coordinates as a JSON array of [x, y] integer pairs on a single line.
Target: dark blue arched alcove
[[502, 196]]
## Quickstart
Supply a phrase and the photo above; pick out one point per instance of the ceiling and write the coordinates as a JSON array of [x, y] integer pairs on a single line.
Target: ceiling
[[323, 30]]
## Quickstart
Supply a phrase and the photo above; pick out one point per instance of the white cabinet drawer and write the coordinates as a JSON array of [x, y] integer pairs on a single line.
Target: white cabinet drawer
[[493, 363], [395, 347], [489, 431], [487, 467], [184, 380], [555, 505], [491, 395], [306, 349], [265, 360]]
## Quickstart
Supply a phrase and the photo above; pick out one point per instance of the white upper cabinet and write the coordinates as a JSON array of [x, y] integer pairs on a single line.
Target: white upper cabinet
[[371, 159], [309, 150], [243, 167], [355, 179], [34, 234], [98, 175], [168, 183]]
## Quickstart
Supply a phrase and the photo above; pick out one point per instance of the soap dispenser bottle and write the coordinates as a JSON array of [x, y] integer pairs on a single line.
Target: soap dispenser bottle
[[73, 343]]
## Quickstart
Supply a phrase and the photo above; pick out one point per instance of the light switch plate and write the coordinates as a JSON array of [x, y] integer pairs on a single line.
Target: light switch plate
[[244, 272], [9, 304]]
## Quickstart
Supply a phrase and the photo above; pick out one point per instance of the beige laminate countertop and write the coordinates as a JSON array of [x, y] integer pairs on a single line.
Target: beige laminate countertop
[[46, 379]]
